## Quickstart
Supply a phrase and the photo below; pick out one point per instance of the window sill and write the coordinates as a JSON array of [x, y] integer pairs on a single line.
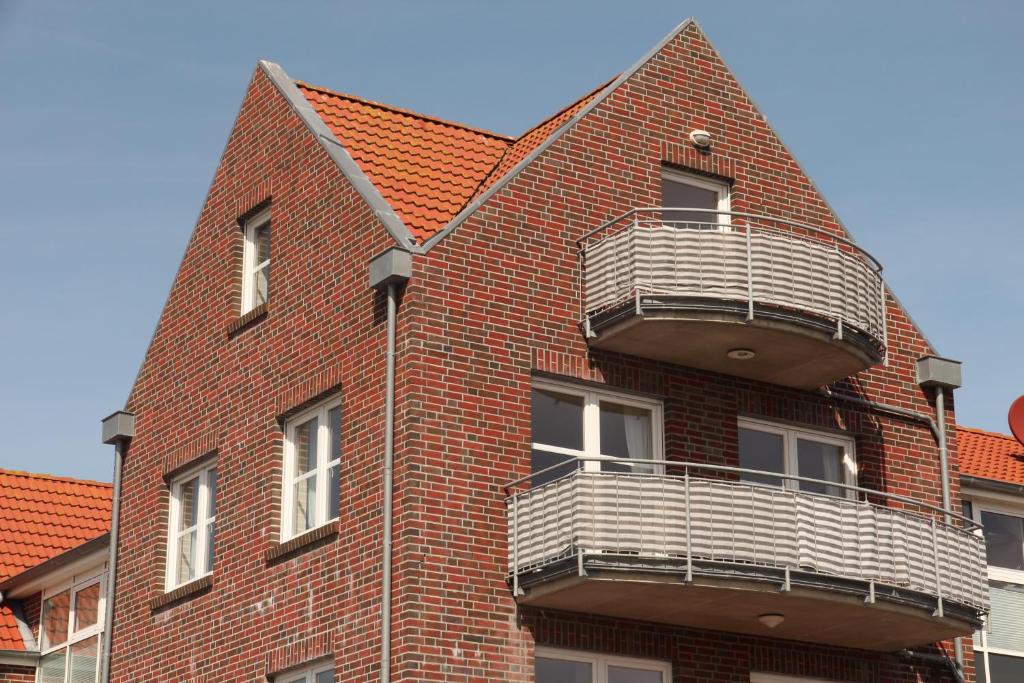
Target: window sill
[[247, 319], [184, 592], [305, 541]]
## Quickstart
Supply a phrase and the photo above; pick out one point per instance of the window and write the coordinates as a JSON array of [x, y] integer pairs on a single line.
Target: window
[[563, 666], [256, 262], [570, 422], [323, 673], [999, 646], [787, 450], [192, 526], [312, 461], [682, 190], [70, 630]]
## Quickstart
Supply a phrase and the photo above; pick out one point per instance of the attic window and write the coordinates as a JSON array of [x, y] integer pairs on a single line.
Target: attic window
[[686, 191], [256, 261]]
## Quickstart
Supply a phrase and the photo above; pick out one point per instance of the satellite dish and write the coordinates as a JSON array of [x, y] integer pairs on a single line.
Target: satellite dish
[[1016, 418]]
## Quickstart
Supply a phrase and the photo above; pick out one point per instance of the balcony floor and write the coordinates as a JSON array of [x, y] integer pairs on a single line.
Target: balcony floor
[[839, 615], [791, 350]]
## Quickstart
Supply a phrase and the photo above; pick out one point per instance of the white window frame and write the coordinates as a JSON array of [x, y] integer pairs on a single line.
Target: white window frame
[[592, 398], [307, 674], [321, 473], [203, 523], [249, 255], [74, 586], [791, 434], [600, 662], [722, 188], [1002, 506]]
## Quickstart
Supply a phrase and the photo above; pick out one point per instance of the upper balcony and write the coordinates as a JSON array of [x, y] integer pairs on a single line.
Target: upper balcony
[[694, 545], [746, 295]]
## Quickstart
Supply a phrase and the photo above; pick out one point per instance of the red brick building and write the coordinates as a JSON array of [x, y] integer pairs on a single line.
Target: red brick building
[[53, 548], [693, 442]]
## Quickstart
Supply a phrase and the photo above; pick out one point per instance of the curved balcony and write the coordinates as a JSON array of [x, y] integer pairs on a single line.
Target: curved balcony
[[697, 547], [809, 305]]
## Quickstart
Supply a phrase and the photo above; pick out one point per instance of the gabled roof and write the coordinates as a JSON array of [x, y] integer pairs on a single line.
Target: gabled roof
[[990, 455], [41, 517], [427, 169]]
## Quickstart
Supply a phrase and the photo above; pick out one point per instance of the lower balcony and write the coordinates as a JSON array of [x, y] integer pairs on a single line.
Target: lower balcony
[[745, 295], [698, 548]]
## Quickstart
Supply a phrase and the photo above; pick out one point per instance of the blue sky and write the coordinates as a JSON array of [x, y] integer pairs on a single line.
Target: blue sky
[[908, 115]]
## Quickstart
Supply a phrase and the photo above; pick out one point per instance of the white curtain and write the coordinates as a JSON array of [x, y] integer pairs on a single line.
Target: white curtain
[[833, 466], [637, 424]]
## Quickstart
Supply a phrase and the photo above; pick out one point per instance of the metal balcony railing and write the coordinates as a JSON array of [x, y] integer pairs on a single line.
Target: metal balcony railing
[[757, 261], [668, 514]]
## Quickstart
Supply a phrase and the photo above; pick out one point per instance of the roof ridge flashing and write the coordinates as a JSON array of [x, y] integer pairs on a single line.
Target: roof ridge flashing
[[40, 476]]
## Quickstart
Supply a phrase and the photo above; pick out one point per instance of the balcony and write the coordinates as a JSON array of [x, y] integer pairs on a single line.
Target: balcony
[[692, 545], [751, 296]]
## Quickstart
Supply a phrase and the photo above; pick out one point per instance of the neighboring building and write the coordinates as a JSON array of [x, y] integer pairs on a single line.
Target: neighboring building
[[630, 445], [992, 479], [53, 551]]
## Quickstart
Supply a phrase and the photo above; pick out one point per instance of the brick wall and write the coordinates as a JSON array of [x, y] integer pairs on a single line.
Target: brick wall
[[493, 303], [209, 389], [497, 301], [17, 674]]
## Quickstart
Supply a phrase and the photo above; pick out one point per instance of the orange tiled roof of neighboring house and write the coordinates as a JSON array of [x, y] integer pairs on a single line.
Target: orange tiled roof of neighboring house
[[427, 169], [41, 517], [990, 455]]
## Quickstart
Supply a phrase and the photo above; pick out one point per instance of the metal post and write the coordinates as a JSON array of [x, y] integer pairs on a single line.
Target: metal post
[[115, 523], [515, 545], [388, 479], [935, 562], [689, 526], [750, 274]]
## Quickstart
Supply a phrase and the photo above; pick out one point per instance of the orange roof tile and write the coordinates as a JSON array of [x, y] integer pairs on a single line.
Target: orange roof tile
[[427, 169], [41, 517], [989, 455]]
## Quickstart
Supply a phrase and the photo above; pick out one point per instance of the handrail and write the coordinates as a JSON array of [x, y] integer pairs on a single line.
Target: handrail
[[755, 216], [969, 524]]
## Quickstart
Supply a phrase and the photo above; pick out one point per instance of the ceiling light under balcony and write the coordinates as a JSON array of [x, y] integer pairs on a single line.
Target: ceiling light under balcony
[[771, 620], [741, 354]]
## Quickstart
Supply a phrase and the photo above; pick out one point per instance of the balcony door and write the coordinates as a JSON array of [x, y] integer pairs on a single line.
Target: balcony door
[[686, 191], [773, 448], [577, 427]]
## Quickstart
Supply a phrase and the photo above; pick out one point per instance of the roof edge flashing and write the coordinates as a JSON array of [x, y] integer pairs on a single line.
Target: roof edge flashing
[[348, 166], [551, 139]]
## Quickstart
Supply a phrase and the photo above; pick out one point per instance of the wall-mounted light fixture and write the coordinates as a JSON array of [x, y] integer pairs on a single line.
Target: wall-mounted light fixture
[[701, 139]]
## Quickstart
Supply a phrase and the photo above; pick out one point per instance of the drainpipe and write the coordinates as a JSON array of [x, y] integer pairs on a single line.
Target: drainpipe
[[389, 270], [943, 373], [119, 430]]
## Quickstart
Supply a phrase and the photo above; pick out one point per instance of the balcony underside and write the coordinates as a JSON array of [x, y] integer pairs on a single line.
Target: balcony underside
[[722, 597], [792, 348]]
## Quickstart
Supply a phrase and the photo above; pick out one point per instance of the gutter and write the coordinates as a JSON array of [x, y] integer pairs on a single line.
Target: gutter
[[389, 271], [995, 485], [119, 430], [19, 658], [54, 563]]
